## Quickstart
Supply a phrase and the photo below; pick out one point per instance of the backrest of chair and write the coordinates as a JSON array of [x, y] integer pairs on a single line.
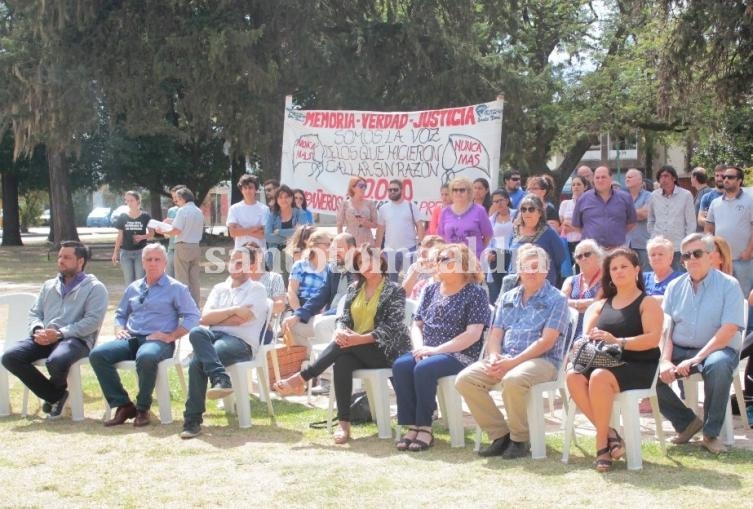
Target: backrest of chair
[[487, 330], [268, 320], [18, 305], [666, 335], [411, 306], [570, 337]]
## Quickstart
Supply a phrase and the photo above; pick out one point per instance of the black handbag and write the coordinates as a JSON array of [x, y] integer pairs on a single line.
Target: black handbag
[[587, 354], [360, 412]]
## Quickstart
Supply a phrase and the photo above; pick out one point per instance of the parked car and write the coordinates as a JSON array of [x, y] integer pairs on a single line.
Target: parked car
[[98, 217], [44, 218], [123, 209]]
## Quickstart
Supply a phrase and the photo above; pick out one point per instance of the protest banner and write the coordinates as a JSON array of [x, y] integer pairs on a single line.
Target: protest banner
[[323, 149]]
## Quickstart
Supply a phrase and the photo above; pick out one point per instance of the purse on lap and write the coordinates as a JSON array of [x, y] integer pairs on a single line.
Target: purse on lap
[[587, 354]]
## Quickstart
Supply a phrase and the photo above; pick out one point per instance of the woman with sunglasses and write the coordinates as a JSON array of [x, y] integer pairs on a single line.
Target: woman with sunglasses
[[357, 215], [542, 186], [660, 252], [530, 226], [299, 198], [370, 334], [446, 330], [624, 317], [501, 216], [422, 271], [584, 288], [464, 221], [308, 274]]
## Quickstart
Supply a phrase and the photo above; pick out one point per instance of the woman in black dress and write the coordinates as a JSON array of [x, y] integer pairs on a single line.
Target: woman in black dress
[[626, 318]]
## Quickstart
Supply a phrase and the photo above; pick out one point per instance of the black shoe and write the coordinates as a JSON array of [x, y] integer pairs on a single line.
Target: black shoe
[[190, 430], [221, 387], [47, 407], [516, 450], [56, 409], [496, 448]]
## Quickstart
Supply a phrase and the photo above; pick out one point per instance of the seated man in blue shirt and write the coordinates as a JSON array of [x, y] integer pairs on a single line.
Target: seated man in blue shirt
[[525, 347], [706, 307], [153, 313]]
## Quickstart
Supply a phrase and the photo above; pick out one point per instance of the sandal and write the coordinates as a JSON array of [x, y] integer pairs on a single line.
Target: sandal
[[288, 387], [616, 445], [421, 445], [404, 443], [341, 436], [603, 465]]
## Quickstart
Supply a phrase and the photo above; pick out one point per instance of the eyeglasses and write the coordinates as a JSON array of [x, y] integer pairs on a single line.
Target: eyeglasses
[[696, 253], [528, 209], [394, 189], [459, 190], [730, 177], [580, 256], [362, 185], [143, 293]]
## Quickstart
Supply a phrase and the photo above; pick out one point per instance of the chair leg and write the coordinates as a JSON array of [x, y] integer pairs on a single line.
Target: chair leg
[[569, 432], [4, 393], [25, 403], [241, 393], [727, 435], [631, 429], [536, 425], [330, 409], [163, 395], [452, 410], [262, 373], [658, 423], [181, 378], [740, 396], [76, 398], [381, 407]]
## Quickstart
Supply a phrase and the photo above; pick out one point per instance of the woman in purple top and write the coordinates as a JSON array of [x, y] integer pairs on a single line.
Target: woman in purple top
[[464, 221], [448, 324]]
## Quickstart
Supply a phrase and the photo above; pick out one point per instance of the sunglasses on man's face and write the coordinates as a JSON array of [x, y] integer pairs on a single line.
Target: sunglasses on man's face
[[528, 209], [730, 177], [696, 253], [580, 256]]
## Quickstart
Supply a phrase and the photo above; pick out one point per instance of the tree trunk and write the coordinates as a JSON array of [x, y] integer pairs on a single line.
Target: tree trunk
[[11, 223], [64, 227], [238, 168]]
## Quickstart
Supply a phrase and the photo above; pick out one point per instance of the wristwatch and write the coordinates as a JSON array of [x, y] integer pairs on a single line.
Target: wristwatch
[[622, 343]]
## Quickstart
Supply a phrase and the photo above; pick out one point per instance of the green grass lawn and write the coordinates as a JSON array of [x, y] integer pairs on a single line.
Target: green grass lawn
[[287, 464]]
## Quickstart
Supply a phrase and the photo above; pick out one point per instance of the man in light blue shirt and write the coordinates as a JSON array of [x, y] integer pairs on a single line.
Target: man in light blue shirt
[[637, 237], [525, 347], [706, 307], [154, 312]]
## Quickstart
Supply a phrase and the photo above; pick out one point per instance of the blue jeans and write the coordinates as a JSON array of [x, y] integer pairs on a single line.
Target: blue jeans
[[59, 357], [415, 385], [717, 378], [130, 264], [212, 351], [147, 354]]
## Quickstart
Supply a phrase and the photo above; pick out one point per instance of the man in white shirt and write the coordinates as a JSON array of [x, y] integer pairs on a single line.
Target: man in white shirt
[[232, 319], [671, 212], [400, 225], [188, 228], [245, 220]]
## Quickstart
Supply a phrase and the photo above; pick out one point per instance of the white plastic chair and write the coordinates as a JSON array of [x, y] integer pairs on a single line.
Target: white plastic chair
[[162, 386], [75, 390], [690, 387], [18, 305], [375, 383], [239, 401], [535, 400], [626, 404]]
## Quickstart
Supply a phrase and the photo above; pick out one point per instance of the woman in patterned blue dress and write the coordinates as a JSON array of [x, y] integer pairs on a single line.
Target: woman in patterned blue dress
[[447, 327]]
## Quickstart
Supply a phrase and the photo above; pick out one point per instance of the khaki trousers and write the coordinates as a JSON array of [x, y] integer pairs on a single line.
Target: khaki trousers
[[187, 259], [319, 329], [474, 385]]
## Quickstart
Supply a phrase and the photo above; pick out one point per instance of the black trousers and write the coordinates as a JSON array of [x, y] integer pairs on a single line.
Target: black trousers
[[60, 356], [346, 361]]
